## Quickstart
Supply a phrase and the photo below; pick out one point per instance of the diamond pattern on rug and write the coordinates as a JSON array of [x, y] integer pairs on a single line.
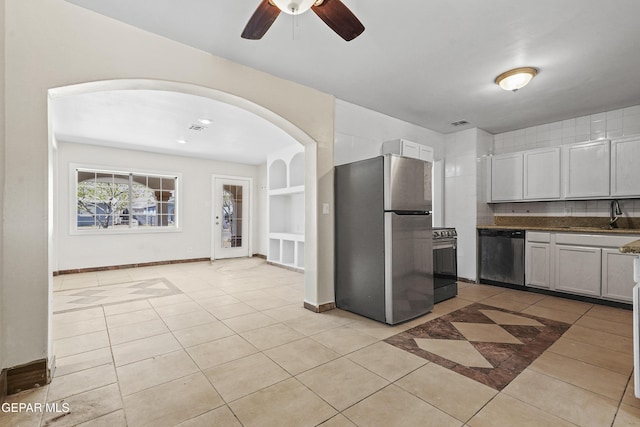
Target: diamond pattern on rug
[[485, 333], [79, 299], [461, 352], [487, 344], [502, 318]]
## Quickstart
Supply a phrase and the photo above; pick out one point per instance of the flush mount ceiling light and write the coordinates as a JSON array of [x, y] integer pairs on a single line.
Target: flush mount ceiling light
[[516, 79], [181, 141], [205, 121]]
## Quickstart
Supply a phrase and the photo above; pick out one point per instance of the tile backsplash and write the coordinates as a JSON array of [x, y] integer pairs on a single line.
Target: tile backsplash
[[605, 125], [629, 207]]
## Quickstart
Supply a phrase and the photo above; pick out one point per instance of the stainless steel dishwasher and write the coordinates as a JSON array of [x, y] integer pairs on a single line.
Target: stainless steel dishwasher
[[501, 256]]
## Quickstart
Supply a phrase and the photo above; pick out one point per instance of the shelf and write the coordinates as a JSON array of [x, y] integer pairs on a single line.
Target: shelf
[[288, 252], [287, 236], [300, 254], [286, 198], [274, 250], [278, 175], [296, 171], [287, 190]]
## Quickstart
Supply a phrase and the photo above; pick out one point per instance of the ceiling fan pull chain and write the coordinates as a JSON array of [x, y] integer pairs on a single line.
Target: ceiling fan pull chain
[[293, 26]]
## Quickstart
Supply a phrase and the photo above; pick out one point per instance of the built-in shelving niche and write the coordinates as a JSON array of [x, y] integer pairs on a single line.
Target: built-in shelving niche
[[285, 171]]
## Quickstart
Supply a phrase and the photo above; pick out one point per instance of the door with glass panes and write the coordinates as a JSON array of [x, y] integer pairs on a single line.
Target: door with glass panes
[[230, 217]]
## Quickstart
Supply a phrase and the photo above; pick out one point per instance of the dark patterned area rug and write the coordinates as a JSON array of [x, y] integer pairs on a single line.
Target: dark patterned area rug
[[488, 344]]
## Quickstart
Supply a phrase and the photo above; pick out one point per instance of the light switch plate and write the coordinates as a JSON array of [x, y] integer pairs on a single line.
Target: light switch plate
[[325, 208]]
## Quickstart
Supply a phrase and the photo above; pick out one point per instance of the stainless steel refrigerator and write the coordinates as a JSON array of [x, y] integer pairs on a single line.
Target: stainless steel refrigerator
[[383, 239]]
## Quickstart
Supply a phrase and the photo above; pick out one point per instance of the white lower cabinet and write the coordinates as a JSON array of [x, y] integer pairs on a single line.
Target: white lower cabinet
[[580, 264], [578, 270], [538, 264], [617, 275]]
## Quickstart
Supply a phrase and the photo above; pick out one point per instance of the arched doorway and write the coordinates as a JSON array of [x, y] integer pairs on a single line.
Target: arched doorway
[[247, 106]]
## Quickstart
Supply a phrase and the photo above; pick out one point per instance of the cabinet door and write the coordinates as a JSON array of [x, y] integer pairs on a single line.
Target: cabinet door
[[426, 153], [625, 167], [506, 177], [578, 270], [617, 275], [542, 174], [586, 169], [538, 257], [410, 149]]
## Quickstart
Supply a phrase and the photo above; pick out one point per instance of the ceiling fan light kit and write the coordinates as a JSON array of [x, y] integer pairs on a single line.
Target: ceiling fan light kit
[[332, 12], [516, 79], [294, 7]]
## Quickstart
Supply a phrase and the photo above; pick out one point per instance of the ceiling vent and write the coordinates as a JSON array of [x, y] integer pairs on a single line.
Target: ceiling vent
[[460, 123], [197, 128]]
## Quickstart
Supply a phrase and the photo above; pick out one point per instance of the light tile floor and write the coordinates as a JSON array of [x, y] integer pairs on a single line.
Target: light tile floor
[[234, 347]]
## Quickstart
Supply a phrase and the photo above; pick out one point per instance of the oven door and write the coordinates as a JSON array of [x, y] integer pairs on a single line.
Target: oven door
[[445, 270]]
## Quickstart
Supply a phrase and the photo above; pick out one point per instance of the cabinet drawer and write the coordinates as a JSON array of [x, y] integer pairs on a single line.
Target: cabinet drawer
[[601, 240], [537, 236]]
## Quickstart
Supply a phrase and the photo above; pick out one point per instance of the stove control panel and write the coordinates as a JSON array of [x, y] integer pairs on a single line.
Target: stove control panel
[[444, 233]]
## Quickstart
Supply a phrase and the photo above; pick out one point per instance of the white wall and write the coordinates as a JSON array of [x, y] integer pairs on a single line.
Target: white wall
[[460, 195], [3, 321], [608, 125], [51, 44], [360, 133], [193, 241], [465, 154], [263, 217]]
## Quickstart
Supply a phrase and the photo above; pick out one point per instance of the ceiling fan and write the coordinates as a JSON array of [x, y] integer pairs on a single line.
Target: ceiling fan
[[333, 12]]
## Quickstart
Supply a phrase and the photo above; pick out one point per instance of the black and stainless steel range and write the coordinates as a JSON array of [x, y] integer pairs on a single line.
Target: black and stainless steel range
[[445, 265]]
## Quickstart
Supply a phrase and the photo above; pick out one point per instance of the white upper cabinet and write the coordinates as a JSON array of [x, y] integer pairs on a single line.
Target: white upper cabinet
[[426, 153], [599, 169], [625, 167], [506, 177], [408, 149], [542, 174], [586, 169]]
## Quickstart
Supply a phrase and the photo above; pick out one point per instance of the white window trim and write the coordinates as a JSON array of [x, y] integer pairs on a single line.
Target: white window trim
[[73, 202]]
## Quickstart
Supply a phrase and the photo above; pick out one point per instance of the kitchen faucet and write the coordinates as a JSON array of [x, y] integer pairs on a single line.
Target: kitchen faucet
[[613, 213]]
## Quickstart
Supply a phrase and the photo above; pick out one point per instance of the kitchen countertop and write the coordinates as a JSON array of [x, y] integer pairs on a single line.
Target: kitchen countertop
[[565, 224], [631, 248], [564, 229]]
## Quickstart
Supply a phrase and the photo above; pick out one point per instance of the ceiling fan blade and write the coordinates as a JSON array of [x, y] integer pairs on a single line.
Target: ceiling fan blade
[[260, 21], [339, 18]]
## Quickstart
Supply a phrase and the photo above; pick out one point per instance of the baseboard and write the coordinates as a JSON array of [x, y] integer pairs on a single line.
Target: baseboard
[[3, 385], [27, 376], [320, 308], [118, 267], [286, 267]]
